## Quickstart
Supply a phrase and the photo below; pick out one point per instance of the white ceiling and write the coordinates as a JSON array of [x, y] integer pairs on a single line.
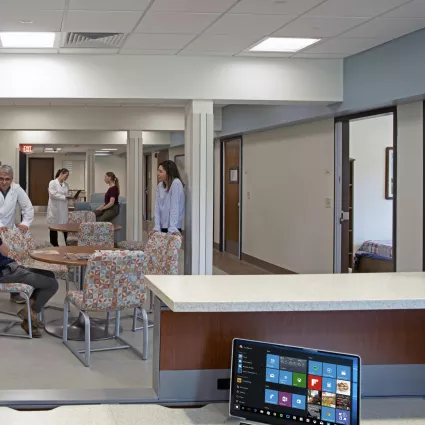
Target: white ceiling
[[220, 27], [72, 149]]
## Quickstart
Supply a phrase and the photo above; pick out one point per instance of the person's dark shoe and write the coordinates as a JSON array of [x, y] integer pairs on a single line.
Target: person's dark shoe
[[35, 332], [23, 314], [17, 298]]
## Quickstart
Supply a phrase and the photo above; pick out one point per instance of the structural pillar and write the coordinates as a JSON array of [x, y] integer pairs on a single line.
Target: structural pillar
[[135, 186], [199, 164], [90, 173]]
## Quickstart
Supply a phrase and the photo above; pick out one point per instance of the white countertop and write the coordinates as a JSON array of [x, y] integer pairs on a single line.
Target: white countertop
[[354, 291], [387, 411]]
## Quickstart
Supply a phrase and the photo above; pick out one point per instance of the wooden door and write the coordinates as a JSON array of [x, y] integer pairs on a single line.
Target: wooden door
[[41, 172], [162, 156], [148, 189], [232, 175]]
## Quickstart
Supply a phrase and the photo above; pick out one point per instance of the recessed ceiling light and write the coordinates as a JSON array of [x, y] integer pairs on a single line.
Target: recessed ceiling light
[[109, 150], [27, 40], [26, 21], [101, 154], [283, 44]]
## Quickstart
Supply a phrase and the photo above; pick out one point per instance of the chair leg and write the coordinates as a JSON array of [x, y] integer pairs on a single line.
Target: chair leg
[[27, 301], [117, 323], [134, 327], [87, 340], [145, 334], [65, 320]]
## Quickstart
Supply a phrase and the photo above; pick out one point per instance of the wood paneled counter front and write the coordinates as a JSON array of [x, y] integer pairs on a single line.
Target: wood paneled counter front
[[381, 317]]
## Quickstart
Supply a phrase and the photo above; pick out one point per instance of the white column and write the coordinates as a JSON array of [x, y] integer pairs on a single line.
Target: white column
[[90, 173], [199, 162], [135, 186]]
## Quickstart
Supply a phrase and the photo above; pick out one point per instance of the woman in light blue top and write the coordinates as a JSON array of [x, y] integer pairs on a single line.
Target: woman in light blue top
[[169, 205]]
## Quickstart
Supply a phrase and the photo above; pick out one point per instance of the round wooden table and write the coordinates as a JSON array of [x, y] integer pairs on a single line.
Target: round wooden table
[[99, 328], [74, 227]]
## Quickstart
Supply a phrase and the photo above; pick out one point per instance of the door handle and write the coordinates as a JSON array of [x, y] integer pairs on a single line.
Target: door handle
[[345, 216]]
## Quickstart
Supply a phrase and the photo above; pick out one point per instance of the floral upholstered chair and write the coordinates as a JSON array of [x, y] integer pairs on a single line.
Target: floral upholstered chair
[[136, 245], [96, 234], [25, 291], [114, 281], [20, 244], [79, 217], [161, 258]]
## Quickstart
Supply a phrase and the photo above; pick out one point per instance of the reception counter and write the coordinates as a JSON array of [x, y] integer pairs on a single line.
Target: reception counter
[[381, 317], [374, 412]]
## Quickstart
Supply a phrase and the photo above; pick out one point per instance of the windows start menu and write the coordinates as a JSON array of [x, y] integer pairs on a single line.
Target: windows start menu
[[316, 388]]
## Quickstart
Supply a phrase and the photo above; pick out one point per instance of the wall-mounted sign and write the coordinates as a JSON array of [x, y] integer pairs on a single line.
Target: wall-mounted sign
[[26, 148]]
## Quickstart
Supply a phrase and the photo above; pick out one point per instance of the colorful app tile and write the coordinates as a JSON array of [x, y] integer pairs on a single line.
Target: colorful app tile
[[293, 364], [342, 417], [285, 399], [329, 370], [329, 400], [329, 385], [272, 361], [272, 375], [343, 387], [328, 414], [315, 368], [285, 377], [314, 382], [343, 402], [298, 401], [314, 411], [343, 372], [299, 380], [314, 397], [271, 397]]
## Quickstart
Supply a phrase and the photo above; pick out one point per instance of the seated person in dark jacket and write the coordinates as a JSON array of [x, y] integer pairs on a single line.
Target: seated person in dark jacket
[[43, 281]]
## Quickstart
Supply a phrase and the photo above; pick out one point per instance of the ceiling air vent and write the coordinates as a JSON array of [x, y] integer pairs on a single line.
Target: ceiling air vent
[[93, 40]]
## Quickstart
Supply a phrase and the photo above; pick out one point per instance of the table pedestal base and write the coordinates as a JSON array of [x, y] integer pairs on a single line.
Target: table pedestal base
[[99, 329]]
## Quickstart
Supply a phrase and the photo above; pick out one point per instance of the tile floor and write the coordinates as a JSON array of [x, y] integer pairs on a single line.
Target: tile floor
[[47, 364]]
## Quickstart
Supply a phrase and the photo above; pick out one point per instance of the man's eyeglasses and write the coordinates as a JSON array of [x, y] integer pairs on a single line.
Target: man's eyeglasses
[[7, 180]]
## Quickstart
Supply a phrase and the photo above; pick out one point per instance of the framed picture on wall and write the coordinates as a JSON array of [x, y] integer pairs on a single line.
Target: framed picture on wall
[[389, 173], [179, 160]]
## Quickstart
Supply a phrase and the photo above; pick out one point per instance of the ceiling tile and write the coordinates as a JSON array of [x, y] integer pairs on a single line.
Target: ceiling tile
[[273, 7], [358, 8], [149, 52], [249, 24], [176, 23], [414, 9], [157, 41], [206, 53], [222, 42], [344, 45], [311, 26], [6, 5], [91, 21], [43, 20], [109, 4], [204, 6], [388, 28], [30, 51]]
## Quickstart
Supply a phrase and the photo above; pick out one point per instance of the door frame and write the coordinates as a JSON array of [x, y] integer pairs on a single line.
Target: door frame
[[223, 193], [342, 137]]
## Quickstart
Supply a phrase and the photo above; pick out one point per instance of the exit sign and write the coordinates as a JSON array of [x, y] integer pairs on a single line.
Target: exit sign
[[26, 148]]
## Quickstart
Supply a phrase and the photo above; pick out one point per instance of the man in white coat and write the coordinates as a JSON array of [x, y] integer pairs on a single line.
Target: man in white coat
[[11, 194]]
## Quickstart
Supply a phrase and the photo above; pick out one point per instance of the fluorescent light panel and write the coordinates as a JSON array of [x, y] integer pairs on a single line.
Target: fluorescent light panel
[[108, 150], [27, 40], [283, 44]]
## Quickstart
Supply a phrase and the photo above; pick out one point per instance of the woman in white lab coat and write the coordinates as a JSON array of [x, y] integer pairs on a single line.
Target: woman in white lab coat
[[57, 208]]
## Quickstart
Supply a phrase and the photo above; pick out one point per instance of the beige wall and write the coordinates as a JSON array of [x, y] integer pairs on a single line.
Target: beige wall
[[287, 175], [115, 163], [410, 187]]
